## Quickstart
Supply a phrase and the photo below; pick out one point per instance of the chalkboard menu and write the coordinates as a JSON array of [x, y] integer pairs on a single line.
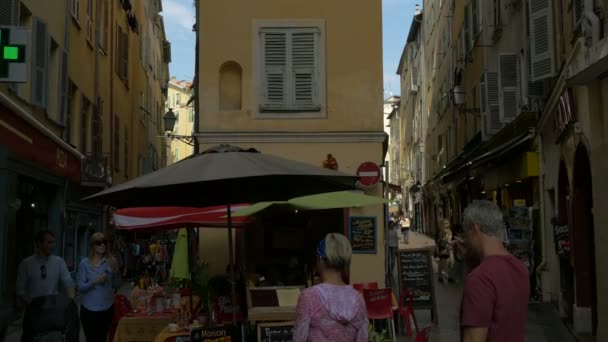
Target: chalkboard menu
[[363, 234], [276, 332], [416, 275]]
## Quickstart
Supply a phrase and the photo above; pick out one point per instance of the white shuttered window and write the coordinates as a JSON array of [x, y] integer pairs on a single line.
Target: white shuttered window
[[490, 104], [9, 12], [290, 70], [41, 49], [542, 51], [509, 72]]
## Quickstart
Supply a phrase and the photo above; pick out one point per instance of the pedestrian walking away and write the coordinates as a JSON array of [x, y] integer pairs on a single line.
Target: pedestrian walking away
[[393, 243], [41, 275], [496, 291], [444, 250], [97, 282], [332, 311]]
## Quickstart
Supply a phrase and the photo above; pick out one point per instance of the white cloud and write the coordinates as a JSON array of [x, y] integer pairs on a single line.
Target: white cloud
[[178, 13]]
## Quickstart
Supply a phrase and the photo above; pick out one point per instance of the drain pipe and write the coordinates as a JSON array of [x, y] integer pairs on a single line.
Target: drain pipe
[[543, 236]]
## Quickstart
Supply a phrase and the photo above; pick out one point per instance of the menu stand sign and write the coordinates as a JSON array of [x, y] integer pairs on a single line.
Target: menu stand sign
[[416, 275], [362, 234], [276, 332]]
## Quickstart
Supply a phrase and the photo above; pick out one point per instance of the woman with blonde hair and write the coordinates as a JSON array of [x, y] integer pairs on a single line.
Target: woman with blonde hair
[[444, 247], [333, 310], [97, 279]]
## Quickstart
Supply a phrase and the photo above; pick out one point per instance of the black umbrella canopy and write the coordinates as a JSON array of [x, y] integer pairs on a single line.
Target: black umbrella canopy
[[225, 174]]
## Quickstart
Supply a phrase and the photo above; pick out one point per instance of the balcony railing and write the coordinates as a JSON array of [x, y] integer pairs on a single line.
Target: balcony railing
[[96, 170]]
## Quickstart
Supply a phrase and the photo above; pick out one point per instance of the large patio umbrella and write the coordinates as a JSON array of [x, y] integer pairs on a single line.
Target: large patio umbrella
[[226, 175]]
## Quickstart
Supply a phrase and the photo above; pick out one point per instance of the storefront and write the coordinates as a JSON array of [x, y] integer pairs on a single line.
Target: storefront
[[35, 170]]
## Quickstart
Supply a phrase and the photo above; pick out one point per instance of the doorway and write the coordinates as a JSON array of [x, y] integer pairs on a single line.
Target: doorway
[[565, 262], [583, 235]]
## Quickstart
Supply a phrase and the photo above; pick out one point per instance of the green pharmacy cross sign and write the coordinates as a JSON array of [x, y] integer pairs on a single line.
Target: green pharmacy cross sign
[[13, 46]]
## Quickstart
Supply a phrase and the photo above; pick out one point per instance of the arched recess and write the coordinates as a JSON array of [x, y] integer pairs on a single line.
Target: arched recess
[[583, 234], [231, 86], [565, 263]]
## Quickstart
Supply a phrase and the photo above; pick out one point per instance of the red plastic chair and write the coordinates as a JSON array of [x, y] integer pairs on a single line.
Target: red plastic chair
[[406, 309], [379, 306], [363, 286], [122, 306], [423, 335]]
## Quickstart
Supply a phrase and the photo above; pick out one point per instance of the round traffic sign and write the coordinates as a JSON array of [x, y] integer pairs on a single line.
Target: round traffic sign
[[369, 174]]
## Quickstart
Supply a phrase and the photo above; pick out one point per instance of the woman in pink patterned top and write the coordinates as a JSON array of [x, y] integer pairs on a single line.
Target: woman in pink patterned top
[[332, 311]]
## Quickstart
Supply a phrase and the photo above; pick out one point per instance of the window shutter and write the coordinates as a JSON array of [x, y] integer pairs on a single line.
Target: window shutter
[[117, 57], [483, 104], [542, 53], [40, 63], [116, 142], [63, 87], [125, 56], [97, 127], [578, 10], [303, 65], [509, 86], [474, 20], [275, 70], [492, 122], [467, 28], [9, 12]]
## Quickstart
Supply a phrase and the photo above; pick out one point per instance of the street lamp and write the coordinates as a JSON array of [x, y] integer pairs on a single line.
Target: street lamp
[[169, 120]]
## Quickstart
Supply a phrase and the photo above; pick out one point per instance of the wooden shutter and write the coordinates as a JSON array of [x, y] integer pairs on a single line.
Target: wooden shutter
[[9, 12], [126, 155], [125, 55], [96, 127], [578, 11], [508, 65], [303, 66], [116, 142], [117, 55], [542, 52], [474, 21], [40, 63], [467, 28], [75, 8], [492, 123], [275, 70], [84, 124], [63, 87]]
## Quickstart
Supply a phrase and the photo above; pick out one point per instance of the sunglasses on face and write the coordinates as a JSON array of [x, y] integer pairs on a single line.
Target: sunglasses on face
[[101, 243], [43, 271]]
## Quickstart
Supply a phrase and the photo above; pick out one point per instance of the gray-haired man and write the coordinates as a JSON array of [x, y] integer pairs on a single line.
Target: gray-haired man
[[496, 291]]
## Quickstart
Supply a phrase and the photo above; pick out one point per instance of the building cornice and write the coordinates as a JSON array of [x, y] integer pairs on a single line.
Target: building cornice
[[290, 137]]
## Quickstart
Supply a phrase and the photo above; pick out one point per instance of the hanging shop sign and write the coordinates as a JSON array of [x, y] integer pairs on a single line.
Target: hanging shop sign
[[561, 235], [565, 113]]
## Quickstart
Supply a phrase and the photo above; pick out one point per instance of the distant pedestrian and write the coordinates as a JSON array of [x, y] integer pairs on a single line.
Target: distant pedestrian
[[496, 291], [444, 250], [41, 275], [97, 281], [393, 243], [404, 223], [332, 311], [458, 252]]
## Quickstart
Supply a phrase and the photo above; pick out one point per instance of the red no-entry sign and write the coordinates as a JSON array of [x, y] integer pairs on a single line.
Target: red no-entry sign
[[369, 174]]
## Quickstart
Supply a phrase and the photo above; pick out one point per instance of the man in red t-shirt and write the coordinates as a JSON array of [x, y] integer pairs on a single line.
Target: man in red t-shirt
[[496, 291]]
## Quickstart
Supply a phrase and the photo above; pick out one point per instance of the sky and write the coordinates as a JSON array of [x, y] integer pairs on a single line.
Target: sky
[[179, 18]]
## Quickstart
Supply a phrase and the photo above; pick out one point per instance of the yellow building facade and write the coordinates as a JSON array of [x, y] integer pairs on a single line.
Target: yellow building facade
[[91, 107], [297, 80], [179, 101]]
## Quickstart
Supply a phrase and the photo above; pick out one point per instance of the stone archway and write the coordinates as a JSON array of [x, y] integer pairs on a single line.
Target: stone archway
[[583, 245]]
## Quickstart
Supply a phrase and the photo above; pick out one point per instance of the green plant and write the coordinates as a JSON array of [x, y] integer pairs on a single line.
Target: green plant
[[374, 336]]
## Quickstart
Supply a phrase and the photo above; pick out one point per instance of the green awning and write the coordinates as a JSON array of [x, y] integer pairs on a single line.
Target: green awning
[[330, 200]]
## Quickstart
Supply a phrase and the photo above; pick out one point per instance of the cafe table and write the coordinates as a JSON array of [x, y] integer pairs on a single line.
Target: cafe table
[[142, 327], [165, 335]]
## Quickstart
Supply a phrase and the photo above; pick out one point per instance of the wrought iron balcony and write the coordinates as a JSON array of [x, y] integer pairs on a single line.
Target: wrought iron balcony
[[96, 171]]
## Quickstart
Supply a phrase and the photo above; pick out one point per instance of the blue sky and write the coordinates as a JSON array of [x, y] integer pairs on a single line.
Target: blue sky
[[179, 17]]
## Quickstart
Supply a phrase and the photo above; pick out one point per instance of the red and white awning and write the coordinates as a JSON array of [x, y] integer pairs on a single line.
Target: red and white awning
[[151, 218]]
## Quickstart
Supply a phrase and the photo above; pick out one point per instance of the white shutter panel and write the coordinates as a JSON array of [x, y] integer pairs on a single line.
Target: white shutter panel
[[578, 10], [542, 52], [9, 12], [474, 20], [40, 62], [63, 87], [493, 123], [275, 70], [508, 65], [304, 63]]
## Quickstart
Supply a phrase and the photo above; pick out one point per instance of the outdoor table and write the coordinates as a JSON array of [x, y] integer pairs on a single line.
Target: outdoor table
[[142, 327]]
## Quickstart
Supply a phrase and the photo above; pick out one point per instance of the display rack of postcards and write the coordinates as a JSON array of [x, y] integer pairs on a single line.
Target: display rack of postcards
[[520, 225]]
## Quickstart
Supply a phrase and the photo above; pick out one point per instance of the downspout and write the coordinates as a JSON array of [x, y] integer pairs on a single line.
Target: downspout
[[543, 260], [196, 79]]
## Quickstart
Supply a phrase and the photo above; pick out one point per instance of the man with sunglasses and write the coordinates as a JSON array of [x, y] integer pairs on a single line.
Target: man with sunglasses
[[42, 274]]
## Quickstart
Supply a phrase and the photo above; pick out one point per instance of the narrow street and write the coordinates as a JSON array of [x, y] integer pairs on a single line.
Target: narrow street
[[544, 324]]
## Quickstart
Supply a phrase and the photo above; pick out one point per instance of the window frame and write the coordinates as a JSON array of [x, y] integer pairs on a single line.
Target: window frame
[[258, 26]]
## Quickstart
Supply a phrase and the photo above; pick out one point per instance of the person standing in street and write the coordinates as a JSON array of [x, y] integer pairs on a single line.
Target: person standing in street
[[42, 274], [393, 243], [97, 280], [444, 250], [496, 291], [404, 222]]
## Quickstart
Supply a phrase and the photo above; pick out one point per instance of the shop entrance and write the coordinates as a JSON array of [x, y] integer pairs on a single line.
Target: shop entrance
[[565, 262], [583, 235], [281, 245]]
